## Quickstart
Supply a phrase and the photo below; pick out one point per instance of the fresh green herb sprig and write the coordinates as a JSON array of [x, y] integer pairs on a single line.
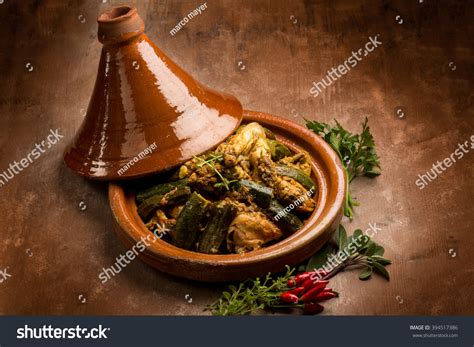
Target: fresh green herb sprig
[[357, 251], [211, 163], [356, 151], [252, 295]]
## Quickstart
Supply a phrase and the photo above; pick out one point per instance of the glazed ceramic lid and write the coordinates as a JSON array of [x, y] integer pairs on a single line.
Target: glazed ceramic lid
[[146, 114]]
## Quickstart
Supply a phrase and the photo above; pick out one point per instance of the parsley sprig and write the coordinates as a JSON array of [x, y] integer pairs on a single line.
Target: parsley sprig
[[356, 151]]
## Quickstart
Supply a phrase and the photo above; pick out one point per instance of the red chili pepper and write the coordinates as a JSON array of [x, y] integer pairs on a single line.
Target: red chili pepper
[[310, 283], [311, 294], [324, 296], [313, 307], [288, 298], [307, 284], [297, 291], [318, 276], [325, 282], [300, 278], [330, 290], [291, 283]]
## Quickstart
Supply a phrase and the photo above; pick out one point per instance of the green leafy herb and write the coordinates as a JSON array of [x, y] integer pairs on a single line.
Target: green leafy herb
[[251, 295], [211, 163], [365, 274], [357, 251], [320, 258], [356, 151]]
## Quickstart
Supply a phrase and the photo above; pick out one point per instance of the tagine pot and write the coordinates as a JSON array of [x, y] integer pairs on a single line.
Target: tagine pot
[[327, 171], [146, 114]]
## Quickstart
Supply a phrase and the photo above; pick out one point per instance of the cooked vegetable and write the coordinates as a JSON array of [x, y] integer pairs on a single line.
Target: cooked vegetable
[[177, 196], [278, 150], [234, 193], [269, 134], [149, 205], [160, 225], [159, 189], [188, 221], [262, 195], [216, 229], [301, 161], [175, 211], [285, 220], [297, 175]]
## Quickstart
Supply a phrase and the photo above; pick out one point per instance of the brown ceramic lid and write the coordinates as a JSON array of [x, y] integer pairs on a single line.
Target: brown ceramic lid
[[146, 114]]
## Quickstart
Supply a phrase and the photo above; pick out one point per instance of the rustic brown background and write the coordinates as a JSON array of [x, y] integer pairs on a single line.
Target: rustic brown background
[[267, 53]]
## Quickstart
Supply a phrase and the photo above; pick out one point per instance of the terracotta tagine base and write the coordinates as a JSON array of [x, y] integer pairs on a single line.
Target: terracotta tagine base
[[318, 229]]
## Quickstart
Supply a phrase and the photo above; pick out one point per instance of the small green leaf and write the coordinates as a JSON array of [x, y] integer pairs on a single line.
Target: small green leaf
[[320, 258], [381, 260], [381, 270], [334, 142], [374, 172], [357, 233], [366, 273], [379, 250], [371, 247], [316, 126], [349, 239], [341, 237], [360, 240]]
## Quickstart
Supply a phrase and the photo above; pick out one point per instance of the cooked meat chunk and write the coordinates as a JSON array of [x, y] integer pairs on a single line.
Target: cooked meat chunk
[[250, 231]]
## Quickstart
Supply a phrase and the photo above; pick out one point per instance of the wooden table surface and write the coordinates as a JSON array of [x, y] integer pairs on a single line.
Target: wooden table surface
[[416, 90]]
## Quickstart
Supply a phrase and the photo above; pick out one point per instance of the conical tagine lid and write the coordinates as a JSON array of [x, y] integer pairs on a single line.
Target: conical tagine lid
[[146, 114]]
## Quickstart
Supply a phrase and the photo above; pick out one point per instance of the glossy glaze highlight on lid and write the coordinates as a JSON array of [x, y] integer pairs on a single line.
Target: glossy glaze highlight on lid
[[142, 97]]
